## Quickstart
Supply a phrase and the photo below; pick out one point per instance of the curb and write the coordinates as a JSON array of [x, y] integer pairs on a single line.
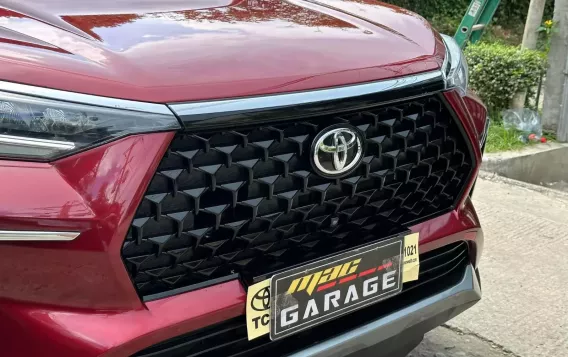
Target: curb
[[494, 177]]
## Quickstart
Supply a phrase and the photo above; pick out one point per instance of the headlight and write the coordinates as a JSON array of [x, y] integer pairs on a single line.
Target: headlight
[[44, 129], [455, 70]]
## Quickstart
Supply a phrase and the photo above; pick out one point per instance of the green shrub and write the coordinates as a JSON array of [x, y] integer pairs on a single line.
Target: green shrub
[[499, 71]]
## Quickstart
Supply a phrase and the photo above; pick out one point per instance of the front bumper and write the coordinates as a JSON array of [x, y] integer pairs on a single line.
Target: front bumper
[[398, 333], [30, 329]]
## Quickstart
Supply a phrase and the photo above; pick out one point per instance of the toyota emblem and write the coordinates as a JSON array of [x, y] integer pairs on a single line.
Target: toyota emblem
[[261, 300], [337, 150]]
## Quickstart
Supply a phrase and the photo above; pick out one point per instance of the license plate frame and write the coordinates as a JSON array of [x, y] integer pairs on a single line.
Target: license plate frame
[[355, 282]]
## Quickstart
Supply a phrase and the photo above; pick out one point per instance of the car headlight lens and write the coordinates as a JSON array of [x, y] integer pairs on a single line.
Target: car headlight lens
[[44, 129], [456, 71]]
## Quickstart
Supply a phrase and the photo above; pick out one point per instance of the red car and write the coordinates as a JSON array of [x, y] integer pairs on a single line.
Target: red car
[[232, 178]]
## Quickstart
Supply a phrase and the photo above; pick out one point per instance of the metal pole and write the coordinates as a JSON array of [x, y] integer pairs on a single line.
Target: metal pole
[[539, 91]]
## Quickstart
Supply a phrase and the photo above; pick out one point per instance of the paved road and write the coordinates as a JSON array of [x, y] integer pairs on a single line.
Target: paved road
[[524, 310], [448, 342]]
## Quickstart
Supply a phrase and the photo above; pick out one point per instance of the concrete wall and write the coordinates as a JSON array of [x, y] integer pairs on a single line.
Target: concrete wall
[[543, 164]]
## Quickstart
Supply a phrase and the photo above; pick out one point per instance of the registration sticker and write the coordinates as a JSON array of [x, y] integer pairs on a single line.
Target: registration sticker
[[411, 262], [258, 309]]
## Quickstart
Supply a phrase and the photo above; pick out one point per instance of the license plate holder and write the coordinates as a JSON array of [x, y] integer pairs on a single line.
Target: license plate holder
[[311, 294]]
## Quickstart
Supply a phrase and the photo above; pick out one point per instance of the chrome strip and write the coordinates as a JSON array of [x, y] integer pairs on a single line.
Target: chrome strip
[[40, 236], [36, 143], [485, 132], [85, 98], [298, 98], [446, 65]]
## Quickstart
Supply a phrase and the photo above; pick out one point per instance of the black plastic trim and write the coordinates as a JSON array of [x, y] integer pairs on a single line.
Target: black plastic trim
[[189, 288]]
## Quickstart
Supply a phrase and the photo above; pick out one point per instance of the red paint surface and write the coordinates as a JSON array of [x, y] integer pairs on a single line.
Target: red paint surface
[[473, 132], [95, 193], [174, 50], [35, 330], [477, 110]]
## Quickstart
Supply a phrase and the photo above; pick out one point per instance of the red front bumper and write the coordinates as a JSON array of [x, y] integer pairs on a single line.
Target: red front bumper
[[76, 298]]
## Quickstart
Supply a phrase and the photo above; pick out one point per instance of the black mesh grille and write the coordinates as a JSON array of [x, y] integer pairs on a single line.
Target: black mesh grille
[[439, 270], [245, 200]]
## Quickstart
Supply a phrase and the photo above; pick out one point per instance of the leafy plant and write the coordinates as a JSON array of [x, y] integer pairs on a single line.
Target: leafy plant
[[546, 31], [498, 72]]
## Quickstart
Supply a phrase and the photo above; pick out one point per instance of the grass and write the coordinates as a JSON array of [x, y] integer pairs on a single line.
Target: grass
[[550, 135], [501, 139]]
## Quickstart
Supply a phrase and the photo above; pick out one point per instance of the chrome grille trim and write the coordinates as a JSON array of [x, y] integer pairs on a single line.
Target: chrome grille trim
[[304, 97]]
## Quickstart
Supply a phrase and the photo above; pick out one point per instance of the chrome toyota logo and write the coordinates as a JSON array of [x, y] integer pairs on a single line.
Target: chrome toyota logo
[[337, 150]]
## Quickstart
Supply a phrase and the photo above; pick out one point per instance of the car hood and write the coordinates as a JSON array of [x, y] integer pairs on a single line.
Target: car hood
[[179, 50]]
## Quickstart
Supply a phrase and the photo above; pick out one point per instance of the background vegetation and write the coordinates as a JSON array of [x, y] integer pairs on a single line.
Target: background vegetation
[[498, 67], [446, 15]]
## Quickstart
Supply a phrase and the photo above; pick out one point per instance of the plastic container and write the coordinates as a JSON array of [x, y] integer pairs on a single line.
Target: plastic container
[[525, 120]]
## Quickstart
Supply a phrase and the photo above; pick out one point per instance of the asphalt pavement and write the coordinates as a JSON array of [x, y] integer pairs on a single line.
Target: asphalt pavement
[[524, 278]]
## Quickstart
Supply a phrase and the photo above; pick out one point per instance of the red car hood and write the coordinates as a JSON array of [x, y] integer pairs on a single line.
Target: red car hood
[[183, 50]]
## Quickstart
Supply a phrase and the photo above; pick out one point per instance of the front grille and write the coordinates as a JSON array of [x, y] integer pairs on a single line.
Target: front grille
[[439, 270], [245, 200]]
